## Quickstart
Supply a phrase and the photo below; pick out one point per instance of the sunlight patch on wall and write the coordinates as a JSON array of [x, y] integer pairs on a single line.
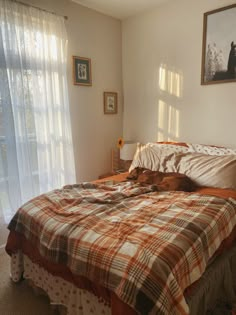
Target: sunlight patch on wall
[[168, 122], [170, 81], [173, 122], [161, 114]]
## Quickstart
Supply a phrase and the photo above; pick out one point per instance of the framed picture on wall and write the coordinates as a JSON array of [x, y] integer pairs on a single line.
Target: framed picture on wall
[[82, 71], [110, 102], [219, 46]]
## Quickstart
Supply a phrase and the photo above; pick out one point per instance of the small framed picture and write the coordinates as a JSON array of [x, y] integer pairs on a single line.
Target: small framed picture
[[110, 103], [82, 71]]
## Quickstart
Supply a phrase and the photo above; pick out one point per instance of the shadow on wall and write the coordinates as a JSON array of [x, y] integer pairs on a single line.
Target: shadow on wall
[[168, 113]]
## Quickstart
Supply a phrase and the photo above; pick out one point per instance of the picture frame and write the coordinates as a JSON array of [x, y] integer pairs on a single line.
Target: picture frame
[[82, 71], [219, 46], [110, 102]]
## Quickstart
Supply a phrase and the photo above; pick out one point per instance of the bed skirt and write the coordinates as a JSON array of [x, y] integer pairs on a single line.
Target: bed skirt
[[216, 287]]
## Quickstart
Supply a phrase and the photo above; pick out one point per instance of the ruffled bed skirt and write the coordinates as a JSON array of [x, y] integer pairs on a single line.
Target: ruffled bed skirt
[[63, 295], [216, 287]]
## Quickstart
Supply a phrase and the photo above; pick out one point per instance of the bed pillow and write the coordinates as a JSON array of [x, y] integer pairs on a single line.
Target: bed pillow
[[156, 156], [175, 146], [211, 149], [208, 170]]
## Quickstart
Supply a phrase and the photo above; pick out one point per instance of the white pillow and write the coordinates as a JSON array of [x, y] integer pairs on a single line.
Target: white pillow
[[208, 170], [210, 150], [156, 157]]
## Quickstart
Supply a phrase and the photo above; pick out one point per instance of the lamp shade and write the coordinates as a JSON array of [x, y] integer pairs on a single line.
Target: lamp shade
[[127, 151]]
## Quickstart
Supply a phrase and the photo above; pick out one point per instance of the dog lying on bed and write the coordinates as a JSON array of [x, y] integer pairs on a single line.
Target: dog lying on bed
[[162, 181]]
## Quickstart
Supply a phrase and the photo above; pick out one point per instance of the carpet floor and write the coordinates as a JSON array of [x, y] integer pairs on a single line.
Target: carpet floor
[[19, 298]]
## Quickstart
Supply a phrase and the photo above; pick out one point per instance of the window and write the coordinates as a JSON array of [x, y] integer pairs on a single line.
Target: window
[[36, 153]]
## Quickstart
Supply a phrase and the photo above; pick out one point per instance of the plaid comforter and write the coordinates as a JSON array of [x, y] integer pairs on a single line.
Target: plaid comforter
[[145, 246]]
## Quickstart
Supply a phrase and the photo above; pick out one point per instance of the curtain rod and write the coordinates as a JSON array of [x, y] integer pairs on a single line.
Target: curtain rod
[[32, 6]]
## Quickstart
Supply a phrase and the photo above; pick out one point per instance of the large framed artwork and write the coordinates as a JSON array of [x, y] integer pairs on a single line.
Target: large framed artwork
[[82, 71], [219, 46]]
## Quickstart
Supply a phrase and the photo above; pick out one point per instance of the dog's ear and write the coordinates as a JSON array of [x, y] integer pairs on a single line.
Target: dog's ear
[[145, 178]]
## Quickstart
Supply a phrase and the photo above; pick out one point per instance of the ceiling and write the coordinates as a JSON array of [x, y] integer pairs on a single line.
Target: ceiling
[[120, 9]]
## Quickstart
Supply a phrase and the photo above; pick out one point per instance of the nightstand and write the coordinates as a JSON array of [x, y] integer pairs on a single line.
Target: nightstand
[[118, 166]]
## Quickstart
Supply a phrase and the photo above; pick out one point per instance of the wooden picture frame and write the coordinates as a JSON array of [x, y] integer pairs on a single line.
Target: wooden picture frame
[[219, 46], [82, 71], [110, 102]]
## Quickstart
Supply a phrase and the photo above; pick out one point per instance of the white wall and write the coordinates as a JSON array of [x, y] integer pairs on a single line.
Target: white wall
[[96, 36], [168, 40]]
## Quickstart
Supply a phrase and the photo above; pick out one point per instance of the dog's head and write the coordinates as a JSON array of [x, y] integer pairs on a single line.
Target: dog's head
[[134, 174]]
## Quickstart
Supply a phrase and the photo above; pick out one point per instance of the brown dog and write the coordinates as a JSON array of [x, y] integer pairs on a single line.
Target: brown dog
[[162, 181]]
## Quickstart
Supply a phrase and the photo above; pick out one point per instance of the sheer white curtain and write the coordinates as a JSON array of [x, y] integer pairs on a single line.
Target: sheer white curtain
[[36, 153]]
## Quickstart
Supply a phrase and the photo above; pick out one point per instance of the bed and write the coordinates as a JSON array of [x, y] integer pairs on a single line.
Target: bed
[[116, 246]]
